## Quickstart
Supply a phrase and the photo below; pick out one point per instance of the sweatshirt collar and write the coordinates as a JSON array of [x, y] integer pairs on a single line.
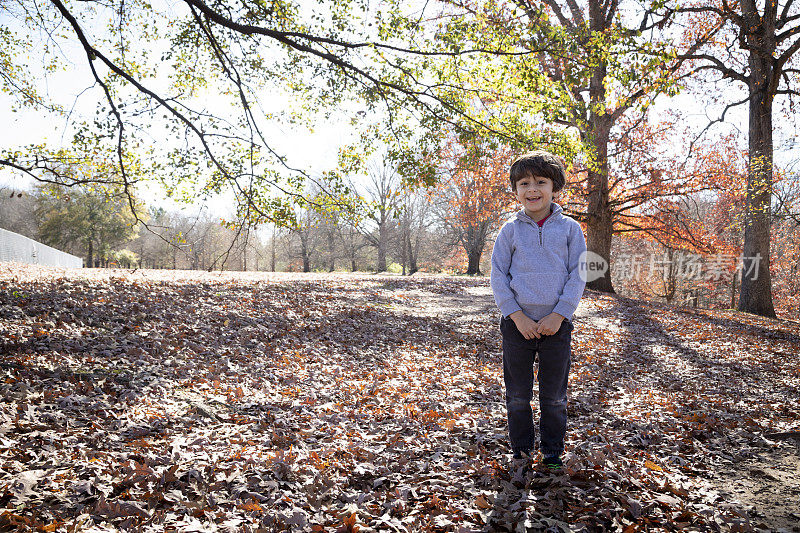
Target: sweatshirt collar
[[555, 212]]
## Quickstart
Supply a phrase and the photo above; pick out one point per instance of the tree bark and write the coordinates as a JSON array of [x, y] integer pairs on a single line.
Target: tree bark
[[243, 237], [382, 238], [90, 256], [755, 291], [404, 254], [412, 256], [599, 224], [600, 220], [474, 262], [304, 253], [474, 242], [272, 252]]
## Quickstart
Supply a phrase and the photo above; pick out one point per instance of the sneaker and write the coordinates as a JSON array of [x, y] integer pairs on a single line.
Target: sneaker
[[552, 463], [522, 453]]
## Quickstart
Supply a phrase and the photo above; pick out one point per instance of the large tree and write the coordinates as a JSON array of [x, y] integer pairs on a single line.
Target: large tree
[[87, 220], [472, 195], [757, 48], [414, 221], [383, 196], [570, 69]]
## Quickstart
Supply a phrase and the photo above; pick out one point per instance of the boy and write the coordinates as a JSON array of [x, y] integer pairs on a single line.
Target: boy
[[537, 286]]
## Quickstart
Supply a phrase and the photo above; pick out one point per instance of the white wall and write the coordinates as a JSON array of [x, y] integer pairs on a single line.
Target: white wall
[[15, 247]]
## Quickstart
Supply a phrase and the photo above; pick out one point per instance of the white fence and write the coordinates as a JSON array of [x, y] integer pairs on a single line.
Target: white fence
[[15, 247]]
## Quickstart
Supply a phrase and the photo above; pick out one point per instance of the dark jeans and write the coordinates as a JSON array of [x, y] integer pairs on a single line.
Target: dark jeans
[[519, 354]]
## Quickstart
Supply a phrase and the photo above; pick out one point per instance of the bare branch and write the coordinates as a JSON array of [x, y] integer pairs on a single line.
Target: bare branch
[[711, 123], [784, 17], [565, 22], [718, 65]]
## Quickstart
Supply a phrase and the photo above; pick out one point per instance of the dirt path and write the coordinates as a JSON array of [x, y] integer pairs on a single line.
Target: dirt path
[[767, 485], [470, 304]]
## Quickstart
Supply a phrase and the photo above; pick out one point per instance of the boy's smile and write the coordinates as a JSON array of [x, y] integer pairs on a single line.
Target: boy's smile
[[535, 193]]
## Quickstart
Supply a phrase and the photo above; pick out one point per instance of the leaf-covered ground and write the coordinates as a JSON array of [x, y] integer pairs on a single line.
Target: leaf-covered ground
[[187, 401]]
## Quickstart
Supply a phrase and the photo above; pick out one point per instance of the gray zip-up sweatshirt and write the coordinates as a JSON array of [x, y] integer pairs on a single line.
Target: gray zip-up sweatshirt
[[537, 269]]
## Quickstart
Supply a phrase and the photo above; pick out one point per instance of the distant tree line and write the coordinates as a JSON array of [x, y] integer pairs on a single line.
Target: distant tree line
[[678, 241], [395, 228]]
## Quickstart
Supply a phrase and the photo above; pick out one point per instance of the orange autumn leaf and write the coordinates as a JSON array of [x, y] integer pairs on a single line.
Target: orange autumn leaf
[[652, 466]]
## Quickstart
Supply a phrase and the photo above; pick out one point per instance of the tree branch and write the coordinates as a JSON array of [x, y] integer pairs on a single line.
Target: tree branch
[[718, 65], [289, 37]]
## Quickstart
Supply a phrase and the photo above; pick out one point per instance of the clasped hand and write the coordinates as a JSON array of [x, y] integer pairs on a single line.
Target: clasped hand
[[532, 329]]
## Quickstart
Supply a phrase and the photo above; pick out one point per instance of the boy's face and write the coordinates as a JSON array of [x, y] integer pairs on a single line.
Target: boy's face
[[535, 193]]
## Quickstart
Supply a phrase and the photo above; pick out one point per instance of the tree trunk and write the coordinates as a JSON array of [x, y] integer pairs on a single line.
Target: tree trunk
[[90, 254], [381, 257], [404, 247], [599, 224], [272, 251], [756, 288], [243, 262], [671, 283], [382, 238], [474, 262], [304, 253], [413, 252]]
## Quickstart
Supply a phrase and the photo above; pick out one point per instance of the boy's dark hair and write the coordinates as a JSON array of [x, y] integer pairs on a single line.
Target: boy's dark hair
[[538, 164]]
